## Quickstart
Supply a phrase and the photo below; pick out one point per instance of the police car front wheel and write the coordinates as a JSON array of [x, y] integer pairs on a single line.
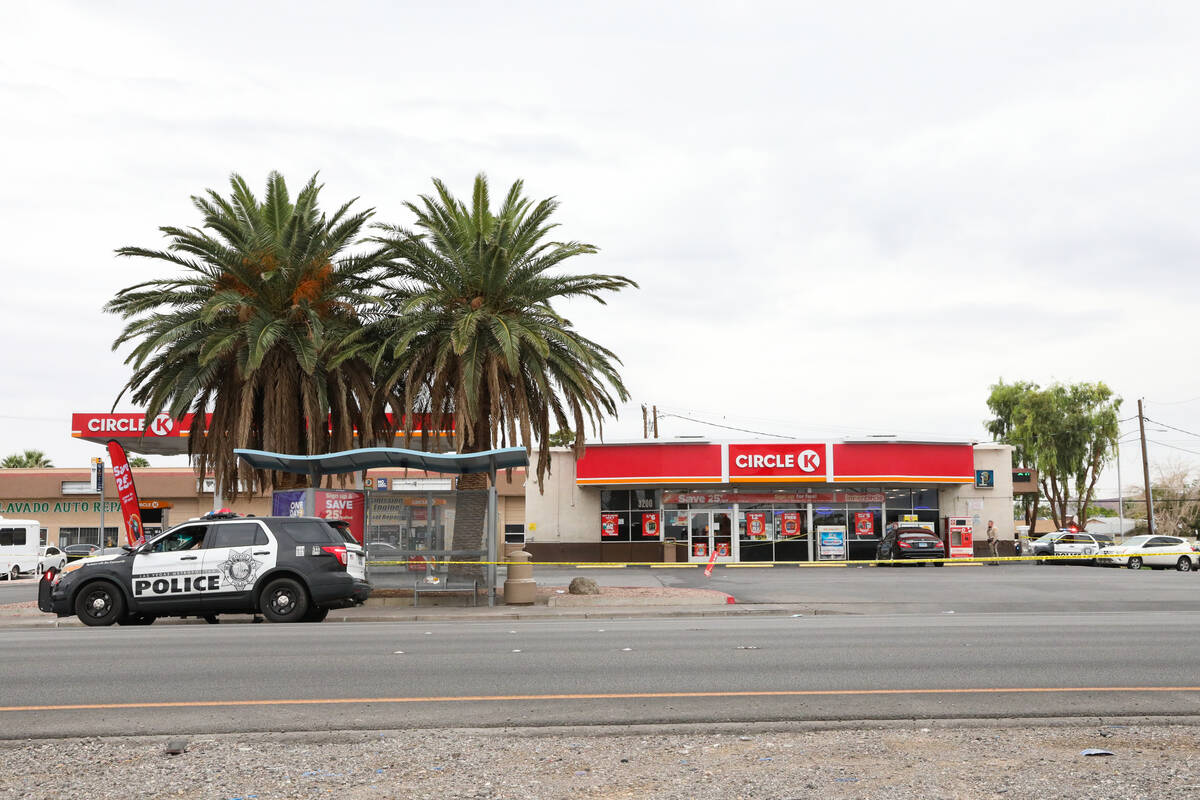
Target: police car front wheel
[[284, 600], [99, 603]]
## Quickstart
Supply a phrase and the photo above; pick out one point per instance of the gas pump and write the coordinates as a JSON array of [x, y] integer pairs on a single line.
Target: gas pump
[[958, 537]]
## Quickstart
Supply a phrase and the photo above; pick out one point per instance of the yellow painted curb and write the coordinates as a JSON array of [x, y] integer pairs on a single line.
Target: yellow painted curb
[[601, 566], [748, 566], [675, 566]]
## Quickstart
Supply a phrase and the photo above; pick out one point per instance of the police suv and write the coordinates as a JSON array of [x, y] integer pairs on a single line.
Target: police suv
[[289, 569]]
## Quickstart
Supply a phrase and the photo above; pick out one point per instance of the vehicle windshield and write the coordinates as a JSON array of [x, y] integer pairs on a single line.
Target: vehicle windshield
[[922, 536], [1049, 537]]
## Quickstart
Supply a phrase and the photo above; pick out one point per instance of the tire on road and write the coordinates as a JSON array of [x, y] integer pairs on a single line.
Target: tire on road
[[1134, 562], [283, 600], [315, 614], [99, 603], [1184, 564]]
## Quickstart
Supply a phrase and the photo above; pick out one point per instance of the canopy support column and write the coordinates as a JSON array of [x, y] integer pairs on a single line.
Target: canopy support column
[[493, 526]]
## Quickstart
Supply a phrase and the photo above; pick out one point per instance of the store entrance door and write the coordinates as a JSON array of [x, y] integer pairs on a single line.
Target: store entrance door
[[709, 532]]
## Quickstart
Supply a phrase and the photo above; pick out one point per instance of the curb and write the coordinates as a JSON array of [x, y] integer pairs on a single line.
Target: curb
[[594, 612]]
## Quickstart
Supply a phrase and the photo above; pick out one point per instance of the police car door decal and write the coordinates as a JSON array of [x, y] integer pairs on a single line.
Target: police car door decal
[[239, 553], [175, 566]]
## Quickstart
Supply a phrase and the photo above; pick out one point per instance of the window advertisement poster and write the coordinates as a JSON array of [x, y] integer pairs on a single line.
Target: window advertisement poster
[[756, 524], [789, 524], [650, 525], [289, 503], [348, 506], [608, 525], [864, 524], [832, 539]]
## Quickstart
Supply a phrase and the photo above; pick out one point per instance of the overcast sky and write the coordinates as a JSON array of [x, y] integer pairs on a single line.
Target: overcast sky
[[846, 218]]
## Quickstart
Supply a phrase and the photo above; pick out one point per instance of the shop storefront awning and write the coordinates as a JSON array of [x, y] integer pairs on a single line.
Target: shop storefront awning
[[379, 457]]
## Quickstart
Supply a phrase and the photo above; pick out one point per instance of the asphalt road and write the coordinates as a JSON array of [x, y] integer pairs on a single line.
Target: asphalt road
[[194, 679]]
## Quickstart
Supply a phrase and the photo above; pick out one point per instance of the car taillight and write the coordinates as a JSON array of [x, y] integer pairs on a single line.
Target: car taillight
[[905, 544], [338, 551]]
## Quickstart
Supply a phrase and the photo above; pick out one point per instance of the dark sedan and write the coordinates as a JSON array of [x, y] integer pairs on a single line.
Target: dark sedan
[[910, 543], [74, 552]]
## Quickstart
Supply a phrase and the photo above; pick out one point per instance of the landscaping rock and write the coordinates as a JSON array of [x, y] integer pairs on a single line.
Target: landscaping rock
[[583, 586]]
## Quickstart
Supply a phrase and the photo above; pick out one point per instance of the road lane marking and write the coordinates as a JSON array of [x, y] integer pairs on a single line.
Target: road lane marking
[[508, 698]]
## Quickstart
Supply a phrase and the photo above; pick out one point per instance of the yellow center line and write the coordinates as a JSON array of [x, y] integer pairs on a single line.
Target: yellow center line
[[508, 698]]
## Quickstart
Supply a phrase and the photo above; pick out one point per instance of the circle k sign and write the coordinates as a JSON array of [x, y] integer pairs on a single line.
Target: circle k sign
[[776, 461], [162, 425]]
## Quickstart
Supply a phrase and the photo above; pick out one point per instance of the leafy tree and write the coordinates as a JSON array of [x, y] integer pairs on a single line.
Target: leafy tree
[[1004, 402], [561, 438], [260, 324], [138, 461], [475, 331], [1066, 432], [30, 459]]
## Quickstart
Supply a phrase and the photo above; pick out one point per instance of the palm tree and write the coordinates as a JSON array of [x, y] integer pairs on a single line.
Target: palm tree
[[30, 459], [260, 325], [475, 334]]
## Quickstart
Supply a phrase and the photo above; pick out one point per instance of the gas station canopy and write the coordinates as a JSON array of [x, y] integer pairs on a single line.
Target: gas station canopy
[[164, 436], [377, 457]]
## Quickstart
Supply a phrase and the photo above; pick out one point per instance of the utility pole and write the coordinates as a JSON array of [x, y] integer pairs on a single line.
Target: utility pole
[[645, 423], [1120, 494], [1146, 470], [655, 421]]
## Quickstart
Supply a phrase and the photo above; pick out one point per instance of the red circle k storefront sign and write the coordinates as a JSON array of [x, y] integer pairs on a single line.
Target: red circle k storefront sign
[[777, 462]]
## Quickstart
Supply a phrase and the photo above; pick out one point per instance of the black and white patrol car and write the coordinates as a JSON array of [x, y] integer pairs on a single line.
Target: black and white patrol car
[[289, 569]]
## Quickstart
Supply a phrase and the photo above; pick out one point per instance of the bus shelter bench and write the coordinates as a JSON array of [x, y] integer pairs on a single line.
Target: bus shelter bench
[[447, 584]]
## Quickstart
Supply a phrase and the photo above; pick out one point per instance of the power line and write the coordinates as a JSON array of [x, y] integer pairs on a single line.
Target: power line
[[1172, 427], [1176, 402], [1173, 447], [727, 427]]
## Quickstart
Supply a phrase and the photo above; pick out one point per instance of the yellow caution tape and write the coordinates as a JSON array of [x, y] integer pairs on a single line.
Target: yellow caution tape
[[828, 563]]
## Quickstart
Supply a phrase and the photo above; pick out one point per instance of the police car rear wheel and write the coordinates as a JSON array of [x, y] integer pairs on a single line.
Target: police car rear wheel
[[284, 600], [99, 603]]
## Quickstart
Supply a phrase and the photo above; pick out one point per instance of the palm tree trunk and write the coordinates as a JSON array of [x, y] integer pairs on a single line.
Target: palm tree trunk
[[471, 504]]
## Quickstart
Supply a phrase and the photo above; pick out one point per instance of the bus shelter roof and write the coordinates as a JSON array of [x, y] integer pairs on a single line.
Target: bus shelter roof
[[378, 457]]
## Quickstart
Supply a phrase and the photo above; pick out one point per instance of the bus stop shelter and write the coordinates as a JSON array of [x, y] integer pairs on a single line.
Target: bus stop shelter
[[351, 461]]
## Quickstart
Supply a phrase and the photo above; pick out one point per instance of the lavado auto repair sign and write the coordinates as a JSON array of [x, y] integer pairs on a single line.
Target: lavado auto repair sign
[[777, 462]]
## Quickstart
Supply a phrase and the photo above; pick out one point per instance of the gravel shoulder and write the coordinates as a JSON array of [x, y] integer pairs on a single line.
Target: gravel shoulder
[[977, 761]]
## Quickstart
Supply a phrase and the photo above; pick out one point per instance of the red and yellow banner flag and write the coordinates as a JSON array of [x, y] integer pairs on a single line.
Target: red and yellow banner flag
[[126, 492]]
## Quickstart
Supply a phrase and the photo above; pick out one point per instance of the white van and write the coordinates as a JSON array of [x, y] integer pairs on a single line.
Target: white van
[[20, 547]]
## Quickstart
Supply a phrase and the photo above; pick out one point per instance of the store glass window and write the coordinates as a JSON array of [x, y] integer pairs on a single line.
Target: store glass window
[[614, 500], [899, 500], [925, 498], [866, 521], [614, 526], [675, 524], [623, 516], [829, 514], [643, 500]]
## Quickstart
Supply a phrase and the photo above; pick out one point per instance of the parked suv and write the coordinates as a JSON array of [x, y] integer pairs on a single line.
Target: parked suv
[[289, 569], [1071, 543]]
